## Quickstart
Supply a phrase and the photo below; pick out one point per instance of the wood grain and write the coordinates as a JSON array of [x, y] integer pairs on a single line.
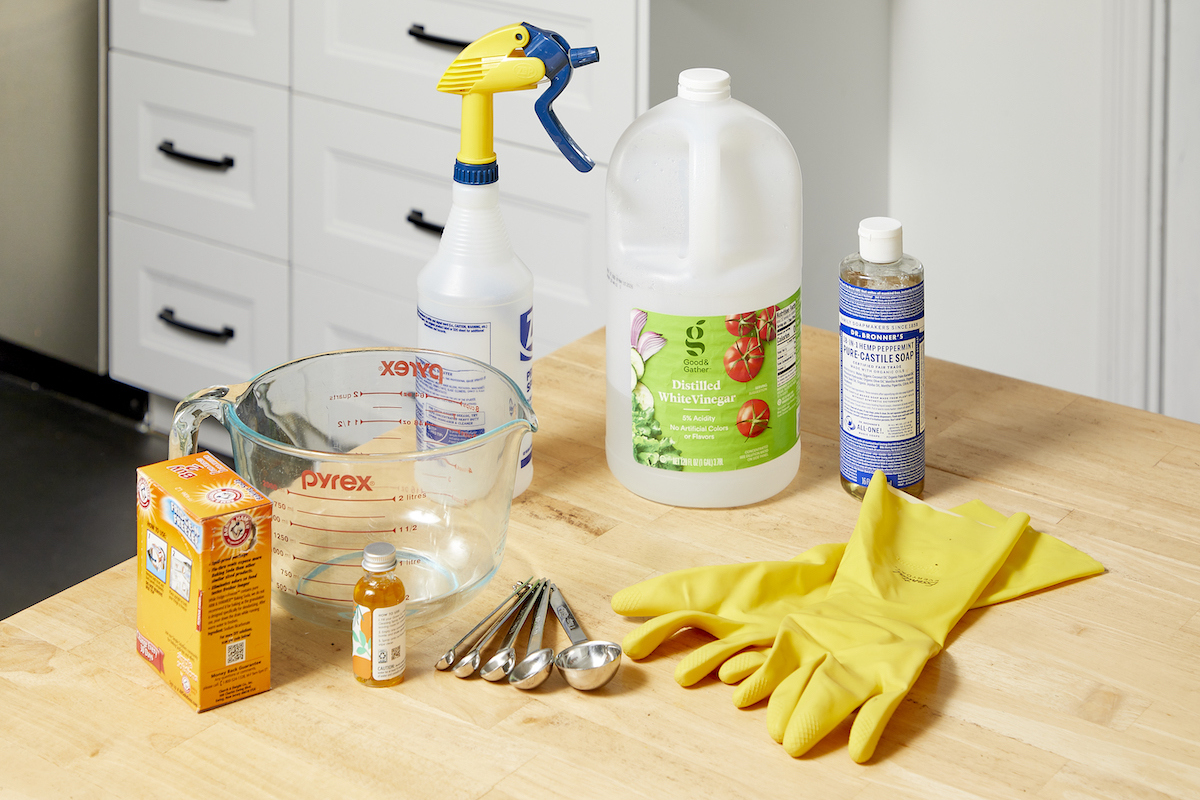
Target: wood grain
[[1089, 690]]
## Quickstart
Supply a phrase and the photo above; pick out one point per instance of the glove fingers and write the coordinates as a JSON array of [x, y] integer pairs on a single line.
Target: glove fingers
[[831, 696], [704, 659], [786, 697], [644, 639], [786, 655], [871, 720], [743, 664]]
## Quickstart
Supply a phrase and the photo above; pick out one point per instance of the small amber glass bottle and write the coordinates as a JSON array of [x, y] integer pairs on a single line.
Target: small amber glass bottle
[[378, 629]]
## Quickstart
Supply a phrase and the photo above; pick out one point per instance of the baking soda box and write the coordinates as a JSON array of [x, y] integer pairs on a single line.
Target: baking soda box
[[204, 580]]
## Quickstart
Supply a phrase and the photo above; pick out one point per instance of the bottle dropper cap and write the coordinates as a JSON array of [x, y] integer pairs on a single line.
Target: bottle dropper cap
[[880, 240], [379, 557], [704, 84]]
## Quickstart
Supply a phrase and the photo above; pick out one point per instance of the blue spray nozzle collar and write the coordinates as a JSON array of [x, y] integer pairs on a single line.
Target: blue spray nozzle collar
[[476, 174], [560, 59]]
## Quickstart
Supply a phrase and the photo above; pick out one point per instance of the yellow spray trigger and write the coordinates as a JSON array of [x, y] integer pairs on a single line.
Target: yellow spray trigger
[[493, 63]]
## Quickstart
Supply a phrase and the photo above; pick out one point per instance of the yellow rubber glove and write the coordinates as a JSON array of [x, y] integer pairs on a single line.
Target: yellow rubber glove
[[1038, 561], [908, 575], [743, 604], [740, 604]]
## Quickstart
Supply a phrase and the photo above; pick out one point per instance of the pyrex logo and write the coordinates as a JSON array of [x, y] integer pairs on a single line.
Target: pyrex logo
[[330, 480], [402, 368], [527, 335]]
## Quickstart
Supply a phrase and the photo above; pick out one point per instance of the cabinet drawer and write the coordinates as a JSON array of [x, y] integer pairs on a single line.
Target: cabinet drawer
[[242, 37], [238, 302], [360, 51], [329, 314], [358, 176], [163, 118]]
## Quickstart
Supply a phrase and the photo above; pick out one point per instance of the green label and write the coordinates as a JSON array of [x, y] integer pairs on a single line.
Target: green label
[[714, 394]]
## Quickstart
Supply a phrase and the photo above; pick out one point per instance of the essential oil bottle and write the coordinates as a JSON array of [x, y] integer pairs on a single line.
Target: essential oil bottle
[[882, 361], [378, 626]]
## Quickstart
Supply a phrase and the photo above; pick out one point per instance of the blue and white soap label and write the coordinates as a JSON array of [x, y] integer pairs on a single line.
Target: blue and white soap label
[[882, 354]]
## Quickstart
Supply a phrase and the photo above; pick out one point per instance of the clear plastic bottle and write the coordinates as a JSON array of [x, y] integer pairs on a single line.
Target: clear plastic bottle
[[475, 297], [378, 630], [882, 361], [704, 224]]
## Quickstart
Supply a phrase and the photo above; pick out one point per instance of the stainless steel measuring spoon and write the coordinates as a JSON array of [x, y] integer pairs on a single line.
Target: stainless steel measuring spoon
[[470, 662], [447, 661], [532, 670], [587, 663], [501, 663]]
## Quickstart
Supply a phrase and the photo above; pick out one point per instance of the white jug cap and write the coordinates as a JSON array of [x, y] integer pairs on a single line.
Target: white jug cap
[[880, 240], [704, 83]]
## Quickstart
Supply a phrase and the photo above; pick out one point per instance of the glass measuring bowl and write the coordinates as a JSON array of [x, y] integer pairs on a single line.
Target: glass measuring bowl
[[418, 448]]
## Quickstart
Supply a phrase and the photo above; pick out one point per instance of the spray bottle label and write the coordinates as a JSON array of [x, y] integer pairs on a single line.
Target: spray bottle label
[[882, 357], [713, 393]]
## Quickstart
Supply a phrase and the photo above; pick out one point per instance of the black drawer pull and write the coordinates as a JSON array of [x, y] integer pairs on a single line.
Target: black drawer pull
[[167, 315], [418, 32], [418, 218], [168, 147]]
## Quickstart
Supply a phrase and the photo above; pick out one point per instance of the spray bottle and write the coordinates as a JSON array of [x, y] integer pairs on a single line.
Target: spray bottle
[[475, 297]]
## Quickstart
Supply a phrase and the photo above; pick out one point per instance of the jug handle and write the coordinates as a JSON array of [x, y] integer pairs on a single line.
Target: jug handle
[[191, 411]]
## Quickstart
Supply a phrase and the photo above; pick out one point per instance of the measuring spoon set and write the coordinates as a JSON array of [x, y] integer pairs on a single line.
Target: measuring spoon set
[[585, 664]]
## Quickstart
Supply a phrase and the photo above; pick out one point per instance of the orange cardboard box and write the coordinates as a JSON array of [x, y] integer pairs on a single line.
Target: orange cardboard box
[[204, 580]]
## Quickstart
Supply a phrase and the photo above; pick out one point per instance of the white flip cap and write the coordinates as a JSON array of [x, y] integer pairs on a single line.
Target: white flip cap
[[704, 83], [880, 240]]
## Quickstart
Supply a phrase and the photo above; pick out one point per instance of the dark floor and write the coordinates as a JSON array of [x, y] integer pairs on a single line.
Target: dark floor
[[66, 490]]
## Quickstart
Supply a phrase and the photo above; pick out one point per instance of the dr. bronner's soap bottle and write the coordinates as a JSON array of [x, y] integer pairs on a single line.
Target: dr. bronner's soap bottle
[[882, 361]]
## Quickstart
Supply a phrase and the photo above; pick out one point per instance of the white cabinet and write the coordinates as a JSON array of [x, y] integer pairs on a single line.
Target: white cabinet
[[304, 146], [385, 55], [248, 38], [199, 153], [182, 308]]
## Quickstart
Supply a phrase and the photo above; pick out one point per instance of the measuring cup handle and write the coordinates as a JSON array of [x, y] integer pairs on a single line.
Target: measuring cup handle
[[191, 411]]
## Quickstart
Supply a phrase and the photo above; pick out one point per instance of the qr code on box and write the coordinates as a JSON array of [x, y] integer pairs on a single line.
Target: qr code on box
[[235, 652]]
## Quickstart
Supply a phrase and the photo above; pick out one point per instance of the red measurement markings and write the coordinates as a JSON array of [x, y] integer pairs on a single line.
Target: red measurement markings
[[340, 516], [343, 530], [332, 583], [322, 597], [331, 547], [340, 499]]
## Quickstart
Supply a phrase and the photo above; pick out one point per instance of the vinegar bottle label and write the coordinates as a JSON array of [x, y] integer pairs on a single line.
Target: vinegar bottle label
[[882, 358], [715, 393]]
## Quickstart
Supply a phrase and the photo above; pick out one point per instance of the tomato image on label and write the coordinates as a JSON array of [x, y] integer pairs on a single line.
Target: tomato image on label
[[753, 417], [765, 323], [745, 324], [744, 360]]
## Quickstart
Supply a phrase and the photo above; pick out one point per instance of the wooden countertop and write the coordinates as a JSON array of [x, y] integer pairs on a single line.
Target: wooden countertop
[[1088, 690]]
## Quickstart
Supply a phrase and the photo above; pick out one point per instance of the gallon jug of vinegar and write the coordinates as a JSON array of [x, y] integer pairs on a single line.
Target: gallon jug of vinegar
[[704, 230]]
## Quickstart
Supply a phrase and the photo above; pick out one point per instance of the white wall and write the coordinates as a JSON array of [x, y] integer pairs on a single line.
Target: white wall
[[819, 69], [995, 171]]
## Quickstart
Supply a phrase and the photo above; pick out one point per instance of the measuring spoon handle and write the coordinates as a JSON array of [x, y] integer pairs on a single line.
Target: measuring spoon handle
[[492, 631], [539, 621], [527, 603], [563, 612], [451, 655]]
